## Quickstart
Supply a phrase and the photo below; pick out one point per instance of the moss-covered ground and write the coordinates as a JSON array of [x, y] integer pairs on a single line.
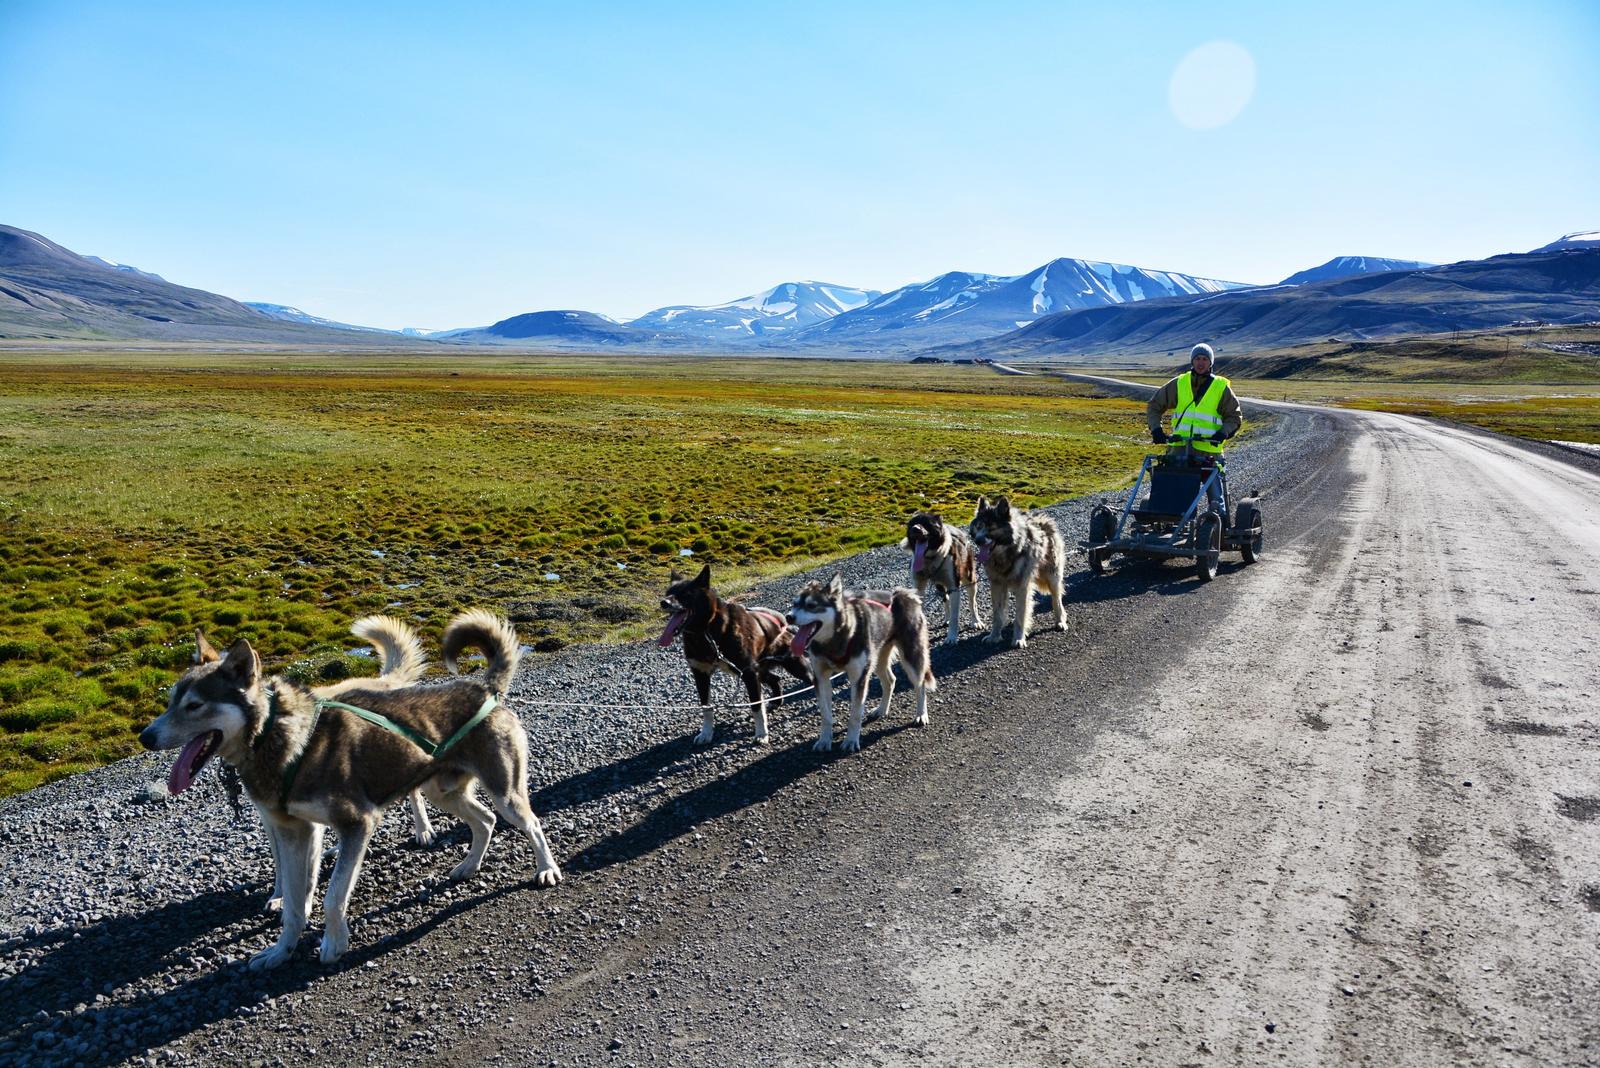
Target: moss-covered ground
[[279, 496]]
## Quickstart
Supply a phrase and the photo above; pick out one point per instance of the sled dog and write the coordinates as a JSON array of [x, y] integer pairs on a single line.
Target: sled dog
[[310, 762], [847, 632], [943, 555], [1019, 551], [725, 635]]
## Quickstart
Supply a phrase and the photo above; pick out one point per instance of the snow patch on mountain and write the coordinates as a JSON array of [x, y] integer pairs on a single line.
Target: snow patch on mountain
[[1350, 266], [781, 310]]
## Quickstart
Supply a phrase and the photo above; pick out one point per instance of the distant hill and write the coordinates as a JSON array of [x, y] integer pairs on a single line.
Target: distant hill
[[1553, 287], [50, 292], [564, 329], [1348, 266], [962, 306], [1581, 239], [772, 313]]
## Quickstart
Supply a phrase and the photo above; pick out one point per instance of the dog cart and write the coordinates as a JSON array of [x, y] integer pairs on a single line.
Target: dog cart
[[1177, 518]]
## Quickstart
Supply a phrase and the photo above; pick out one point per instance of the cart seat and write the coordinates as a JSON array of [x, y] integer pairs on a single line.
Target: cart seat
[[1172, 491]]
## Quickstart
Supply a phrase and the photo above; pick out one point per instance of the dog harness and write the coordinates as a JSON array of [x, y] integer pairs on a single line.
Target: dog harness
[[435, 750]]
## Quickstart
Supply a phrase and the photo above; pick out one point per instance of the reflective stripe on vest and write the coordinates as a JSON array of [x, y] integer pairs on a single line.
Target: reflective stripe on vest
[[1197, 419]]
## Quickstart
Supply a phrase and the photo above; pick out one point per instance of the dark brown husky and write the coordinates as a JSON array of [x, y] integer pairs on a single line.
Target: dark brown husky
[[724, 635]]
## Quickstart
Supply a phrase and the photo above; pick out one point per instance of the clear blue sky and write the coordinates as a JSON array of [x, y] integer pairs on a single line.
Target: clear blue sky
[[439, 165]]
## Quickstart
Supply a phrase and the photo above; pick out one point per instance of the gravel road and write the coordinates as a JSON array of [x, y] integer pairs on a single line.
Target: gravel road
[[1337, 805]]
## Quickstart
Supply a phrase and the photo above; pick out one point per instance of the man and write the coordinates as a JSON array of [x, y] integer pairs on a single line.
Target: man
[[1207, 412]]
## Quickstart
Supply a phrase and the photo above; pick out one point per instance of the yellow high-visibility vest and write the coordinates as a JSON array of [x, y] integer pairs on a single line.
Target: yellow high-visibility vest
[[1197, 419]]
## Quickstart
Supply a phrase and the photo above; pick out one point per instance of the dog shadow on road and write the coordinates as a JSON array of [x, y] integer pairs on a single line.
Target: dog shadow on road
[[755, 782], [126, 949], [73, 967]]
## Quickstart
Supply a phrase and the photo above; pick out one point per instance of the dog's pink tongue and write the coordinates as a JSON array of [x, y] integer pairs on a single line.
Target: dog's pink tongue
[[917, 554], [182, 774], [803, 636], [672, 628], [983, 554]]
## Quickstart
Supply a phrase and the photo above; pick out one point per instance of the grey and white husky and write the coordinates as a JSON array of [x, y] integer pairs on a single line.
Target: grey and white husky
[[847, 632], [943, 555], [307, 766], [1020, 551]]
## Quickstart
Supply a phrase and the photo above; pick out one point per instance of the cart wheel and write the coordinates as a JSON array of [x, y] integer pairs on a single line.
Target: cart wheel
[[1102, 525], [1097, 561], [1250, 516], [1208, 542]]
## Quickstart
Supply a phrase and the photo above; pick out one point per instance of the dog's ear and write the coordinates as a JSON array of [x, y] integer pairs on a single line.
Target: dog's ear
[[203, 652], [704, 578], [983, 502], [836, 584], [242, 663], [1002, 504], [935, 525]]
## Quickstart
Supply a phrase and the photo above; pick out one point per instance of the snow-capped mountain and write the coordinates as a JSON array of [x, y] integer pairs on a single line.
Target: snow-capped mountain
[[123, 267], [1580, 239], [1349, 266], [295, 315], [783, 309], [963, 306]]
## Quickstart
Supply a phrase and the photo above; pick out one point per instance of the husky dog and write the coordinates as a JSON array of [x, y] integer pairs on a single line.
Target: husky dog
[[846, 632], [944, 556], [721, 635], [307, 767], [1020, 551]]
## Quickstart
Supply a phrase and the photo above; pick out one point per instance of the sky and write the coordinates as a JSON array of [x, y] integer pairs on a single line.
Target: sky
[[436, 166]]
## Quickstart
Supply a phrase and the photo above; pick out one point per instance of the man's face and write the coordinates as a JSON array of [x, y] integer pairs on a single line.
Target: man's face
[[1201, 364]]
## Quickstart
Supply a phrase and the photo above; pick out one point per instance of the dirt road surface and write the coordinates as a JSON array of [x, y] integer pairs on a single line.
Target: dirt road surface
[[1339, 806]]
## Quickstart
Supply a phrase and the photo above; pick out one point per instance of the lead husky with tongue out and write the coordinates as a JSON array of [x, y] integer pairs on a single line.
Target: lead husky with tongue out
[[943, 555], [310, 763], [852, 632], [1019, 551], [724, 635]]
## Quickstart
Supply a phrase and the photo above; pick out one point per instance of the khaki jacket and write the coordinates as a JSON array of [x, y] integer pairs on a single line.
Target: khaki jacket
[[1166, 399]]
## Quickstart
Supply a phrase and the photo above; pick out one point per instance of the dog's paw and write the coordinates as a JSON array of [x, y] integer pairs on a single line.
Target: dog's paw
[[951, 639], [994, 637], [763, 739], [873, 717], [424, 839], [1061, 625], [274, 904], [823, 745], [548, 877], [465, 870], [334, 945], [850, 745], [922, 720], [1019, 642], [267, 959], [705, 736]]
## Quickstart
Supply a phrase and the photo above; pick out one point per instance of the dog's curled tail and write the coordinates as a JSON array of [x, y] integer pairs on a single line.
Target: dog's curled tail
[[905, 609], [481, 629], [398, 646]]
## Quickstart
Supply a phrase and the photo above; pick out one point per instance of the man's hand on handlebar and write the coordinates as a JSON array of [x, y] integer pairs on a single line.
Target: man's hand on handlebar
[[1158, 436]]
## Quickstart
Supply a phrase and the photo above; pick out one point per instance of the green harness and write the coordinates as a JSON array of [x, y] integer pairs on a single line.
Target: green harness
[[434, 750]]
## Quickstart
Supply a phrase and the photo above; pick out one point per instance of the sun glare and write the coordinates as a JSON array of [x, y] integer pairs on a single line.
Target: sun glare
[[1211, 85]]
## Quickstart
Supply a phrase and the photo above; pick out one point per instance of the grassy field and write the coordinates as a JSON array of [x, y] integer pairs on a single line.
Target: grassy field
[[281, 496]]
